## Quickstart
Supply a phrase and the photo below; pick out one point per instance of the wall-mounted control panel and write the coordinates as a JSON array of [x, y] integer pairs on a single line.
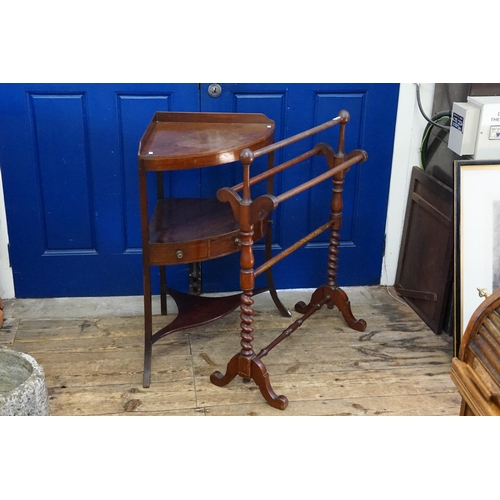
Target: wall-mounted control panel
[[475, 128]]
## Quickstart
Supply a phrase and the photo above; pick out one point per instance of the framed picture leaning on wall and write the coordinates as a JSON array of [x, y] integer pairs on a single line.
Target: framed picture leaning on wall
[[477, 237]]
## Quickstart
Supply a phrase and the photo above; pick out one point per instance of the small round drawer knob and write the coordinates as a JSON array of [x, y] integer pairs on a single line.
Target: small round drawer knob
[[179, 254], [237, 242]]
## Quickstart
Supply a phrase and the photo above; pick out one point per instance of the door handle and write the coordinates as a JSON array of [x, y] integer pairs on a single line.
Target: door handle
[[214, 90]]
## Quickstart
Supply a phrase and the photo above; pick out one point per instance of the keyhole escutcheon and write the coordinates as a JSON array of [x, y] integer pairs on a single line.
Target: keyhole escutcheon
[[214, 90]]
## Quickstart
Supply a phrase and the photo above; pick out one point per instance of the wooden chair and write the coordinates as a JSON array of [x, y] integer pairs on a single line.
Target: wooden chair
[[476, 370]]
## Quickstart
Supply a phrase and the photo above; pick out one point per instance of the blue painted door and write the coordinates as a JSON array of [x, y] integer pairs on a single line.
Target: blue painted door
[[294, 108], [68, 155], [69, 164]]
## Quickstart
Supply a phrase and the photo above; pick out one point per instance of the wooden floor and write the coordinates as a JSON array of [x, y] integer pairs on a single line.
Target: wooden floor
[[93, 366]]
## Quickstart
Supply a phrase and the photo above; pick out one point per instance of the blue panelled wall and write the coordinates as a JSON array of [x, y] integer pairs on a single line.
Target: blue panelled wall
[[68, 154]]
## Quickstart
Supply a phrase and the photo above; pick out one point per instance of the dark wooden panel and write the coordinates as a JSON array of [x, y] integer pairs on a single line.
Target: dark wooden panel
[[425, 271], [484, 89]]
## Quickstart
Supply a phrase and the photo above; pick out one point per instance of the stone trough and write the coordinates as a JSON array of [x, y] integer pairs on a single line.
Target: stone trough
[[22, 385]]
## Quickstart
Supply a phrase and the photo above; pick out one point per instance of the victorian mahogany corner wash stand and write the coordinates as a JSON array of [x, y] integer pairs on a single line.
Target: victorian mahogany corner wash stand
[[193, 230]]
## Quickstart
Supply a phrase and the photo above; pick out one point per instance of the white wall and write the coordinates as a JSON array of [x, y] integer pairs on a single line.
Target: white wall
[[6, 278], [409, 129], [410, 126]]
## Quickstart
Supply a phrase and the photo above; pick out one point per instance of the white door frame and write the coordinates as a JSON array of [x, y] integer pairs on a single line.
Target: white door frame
[[410, 125]]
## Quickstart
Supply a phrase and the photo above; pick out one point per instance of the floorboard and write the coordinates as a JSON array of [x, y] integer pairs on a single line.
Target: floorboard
[[93, 365]]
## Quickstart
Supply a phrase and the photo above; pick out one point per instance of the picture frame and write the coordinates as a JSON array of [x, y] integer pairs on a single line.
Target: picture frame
[[476, 236]]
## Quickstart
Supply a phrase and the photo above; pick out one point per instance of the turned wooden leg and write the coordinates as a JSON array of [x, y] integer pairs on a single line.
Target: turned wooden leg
[[163, 290], [148, 328], [336, 296], [147, 365], [246, 364], [334, 242]]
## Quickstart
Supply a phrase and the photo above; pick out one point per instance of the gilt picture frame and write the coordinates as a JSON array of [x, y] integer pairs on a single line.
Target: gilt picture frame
[[476, 238]]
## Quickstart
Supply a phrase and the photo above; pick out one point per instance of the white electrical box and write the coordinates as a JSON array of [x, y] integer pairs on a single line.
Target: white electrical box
[[463, 128], [475, 128]]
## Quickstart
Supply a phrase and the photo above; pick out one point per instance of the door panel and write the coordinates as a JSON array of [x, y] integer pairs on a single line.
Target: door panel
[[301, 106], [62, 168]]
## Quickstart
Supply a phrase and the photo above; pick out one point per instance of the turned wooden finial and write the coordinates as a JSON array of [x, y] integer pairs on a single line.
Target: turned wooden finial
[[345, 116], [246, 156]]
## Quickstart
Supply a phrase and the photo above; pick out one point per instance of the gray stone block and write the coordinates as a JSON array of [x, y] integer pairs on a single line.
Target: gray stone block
[[22, 385]]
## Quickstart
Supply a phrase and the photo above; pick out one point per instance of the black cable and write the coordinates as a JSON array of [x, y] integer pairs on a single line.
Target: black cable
[[442, 115], [444, 127]]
